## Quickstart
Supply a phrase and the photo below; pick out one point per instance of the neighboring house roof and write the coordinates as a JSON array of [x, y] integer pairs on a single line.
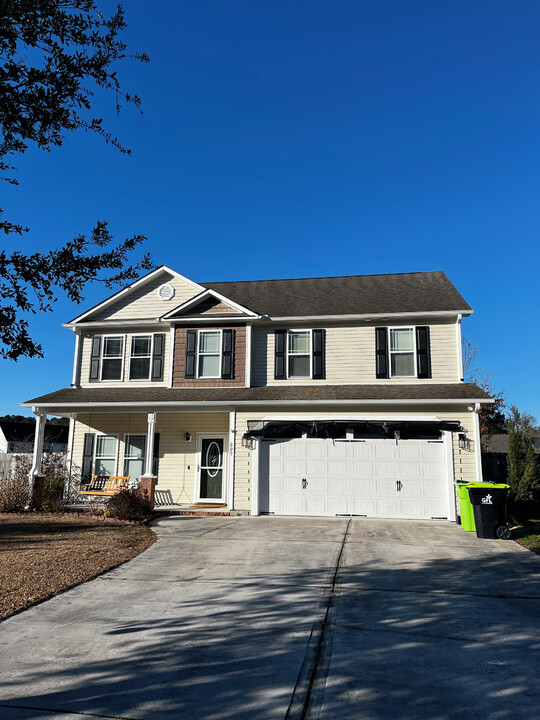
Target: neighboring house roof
[[24, 432], [269, 393], [499, 443], [350, 295]]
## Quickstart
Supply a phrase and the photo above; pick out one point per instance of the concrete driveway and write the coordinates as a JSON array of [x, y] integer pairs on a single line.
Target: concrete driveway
[[236, 618]]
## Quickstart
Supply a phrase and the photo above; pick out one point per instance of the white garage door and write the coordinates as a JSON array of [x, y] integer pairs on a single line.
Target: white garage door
[[376, 478]]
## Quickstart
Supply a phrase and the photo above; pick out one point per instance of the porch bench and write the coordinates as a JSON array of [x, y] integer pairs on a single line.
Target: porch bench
[[105, 485]]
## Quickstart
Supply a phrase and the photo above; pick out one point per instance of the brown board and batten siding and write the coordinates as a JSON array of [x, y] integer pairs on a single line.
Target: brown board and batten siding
[[350, 355], [179, 360]]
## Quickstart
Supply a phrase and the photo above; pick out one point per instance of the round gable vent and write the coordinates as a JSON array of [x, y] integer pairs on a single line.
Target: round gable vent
[[166, 292]]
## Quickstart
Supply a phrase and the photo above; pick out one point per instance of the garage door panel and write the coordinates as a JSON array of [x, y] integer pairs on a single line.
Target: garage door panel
[[433, 450], [378, 478], [361, 449]]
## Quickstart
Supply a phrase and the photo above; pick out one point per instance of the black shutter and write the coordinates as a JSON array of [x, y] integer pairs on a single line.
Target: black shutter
[[94, 358], [155, 458], [423, 352], [88, 458], [191, 353], [227, 367], [279, 360], [158, 357], [381, 352], [319, 354]]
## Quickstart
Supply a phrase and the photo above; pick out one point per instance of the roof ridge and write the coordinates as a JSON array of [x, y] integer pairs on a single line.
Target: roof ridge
[[324, 277]]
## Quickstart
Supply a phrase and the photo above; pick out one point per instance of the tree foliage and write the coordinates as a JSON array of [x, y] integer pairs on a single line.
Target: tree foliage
[[54, 56], [523, 475], [491, 417]]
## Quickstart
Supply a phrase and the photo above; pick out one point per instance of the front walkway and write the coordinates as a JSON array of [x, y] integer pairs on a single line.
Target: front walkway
[[409, 619]]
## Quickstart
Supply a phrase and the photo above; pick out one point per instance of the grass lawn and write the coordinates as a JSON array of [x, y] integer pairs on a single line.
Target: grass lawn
[[528, 535], [43, 555]]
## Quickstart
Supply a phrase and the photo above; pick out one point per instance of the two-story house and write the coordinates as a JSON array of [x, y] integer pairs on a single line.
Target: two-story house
[[318, 396]]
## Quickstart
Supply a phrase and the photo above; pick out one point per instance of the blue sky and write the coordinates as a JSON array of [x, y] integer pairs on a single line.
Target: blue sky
[[290, 139]]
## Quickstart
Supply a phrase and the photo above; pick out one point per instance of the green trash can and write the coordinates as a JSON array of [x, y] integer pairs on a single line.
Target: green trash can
[[466, 512]]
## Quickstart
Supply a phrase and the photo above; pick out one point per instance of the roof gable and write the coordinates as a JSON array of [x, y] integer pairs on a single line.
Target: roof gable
[[209, 304], [141, 299]]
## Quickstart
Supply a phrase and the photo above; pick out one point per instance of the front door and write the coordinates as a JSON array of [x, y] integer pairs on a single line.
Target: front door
[[211, 468]]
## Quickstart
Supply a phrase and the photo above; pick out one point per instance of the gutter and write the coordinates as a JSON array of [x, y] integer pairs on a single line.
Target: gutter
[[205, 405]]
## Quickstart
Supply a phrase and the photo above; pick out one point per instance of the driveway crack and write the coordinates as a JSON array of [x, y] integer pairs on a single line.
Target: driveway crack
[[318, 641]]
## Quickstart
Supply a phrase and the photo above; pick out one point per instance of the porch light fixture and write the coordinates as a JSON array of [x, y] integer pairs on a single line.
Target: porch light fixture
[[462, 440], [187, 437]]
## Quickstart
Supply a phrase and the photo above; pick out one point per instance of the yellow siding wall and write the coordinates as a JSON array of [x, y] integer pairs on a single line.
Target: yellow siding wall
[[85, 351], [177, 459], [144, 303], [464, 460], [350, 356]]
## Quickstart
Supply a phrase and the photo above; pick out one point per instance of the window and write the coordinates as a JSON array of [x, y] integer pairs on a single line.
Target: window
[[105, 458], [402, 353], [134, 456], [140, 358], [299, 353], [113, 357], [209, 354]]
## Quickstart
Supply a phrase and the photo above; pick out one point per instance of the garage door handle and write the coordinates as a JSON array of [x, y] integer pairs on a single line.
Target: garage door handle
[[304, 483], [399, 485]]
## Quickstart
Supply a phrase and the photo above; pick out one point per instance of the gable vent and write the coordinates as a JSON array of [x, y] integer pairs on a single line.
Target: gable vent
[[166, 292]]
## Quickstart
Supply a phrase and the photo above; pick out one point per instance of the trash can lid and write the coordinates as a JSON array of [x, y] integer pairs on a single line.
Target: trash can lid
[[487, 485]]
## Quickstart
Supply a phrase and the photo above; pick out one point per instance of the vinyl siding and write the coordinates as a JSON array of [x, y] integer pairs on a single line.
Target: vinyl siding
[[464, 460], [177, 458], [86, 351], [143, 302], [350, 356]]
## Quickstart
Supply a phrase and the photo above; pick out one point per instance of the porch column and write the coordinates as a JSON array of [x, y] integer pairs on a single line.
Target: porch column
[[35, 478], [148, 480]]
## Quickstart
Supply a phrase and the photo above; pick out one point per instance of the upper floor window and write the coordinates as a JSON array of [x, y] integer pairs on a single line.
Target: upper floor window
[[146, 355], [402, 352], [299, 353], [112, 361], [209, 365], [140, 357], [210, 354]]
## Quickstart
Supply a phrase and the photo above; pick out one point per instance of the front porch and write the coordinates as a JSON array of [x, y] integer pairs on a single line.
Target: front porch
[[183, 460]]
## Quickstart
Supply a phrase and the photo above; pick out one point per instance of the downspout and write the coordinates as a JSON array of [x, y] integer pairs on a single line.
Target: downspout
[[477, 442], [75, 380], [459, 343]]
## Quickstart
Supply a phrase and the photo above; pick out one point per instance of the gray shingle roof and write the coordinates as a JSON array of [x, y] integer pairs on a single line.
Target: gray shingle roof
[[350, 295], [153, 396]]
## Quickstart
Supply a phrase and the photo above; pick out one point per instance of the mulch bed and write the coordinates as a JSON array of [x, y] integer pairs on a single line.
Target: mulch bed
[[42, 555]]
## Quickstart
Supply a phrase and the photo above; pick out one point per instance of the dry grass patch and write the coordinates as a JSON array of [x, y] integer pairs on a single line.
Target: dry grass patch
[[43, 555]]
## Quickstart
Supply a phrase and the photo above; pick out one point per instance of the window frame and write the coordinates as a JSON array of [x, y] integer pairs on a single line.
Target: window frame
[[102, 357], [105, 457], [309, 353], [130, 457], [209, 377], [131, 338], [402, 352]]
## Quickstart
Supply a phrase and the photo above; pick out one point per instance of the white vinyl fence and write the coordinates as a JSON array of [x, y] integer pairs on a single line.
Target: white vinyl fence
[[6, 464]]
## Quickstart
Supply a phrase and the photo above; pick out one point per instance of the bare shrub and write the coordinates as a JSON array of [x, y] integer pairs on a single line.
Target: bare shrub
[[14, 493], [53, 468], [129, 504]]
